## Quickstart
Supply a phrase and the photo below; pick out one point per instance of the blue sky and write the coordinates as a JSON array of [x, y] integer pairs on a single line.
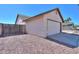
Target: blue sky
[[8, 12]]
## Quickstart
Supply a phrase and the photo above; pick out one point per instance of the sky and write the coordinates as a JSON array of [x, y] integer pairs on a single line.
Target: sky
[[8, 12]]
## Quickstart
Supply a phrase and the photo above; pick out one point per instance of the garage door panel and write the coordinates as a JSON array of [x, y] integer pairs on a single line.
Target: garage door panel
[[53, 27]]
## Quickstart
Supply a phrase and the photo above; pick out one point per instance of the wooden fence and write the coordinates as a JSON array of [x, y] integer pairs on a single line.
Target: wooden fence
[[12, 29]]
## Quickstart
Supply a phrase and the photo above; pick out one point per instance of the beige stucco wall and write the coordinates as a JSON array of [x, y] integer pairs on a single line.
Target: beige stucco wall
[[20, 21], [54, 15], [36, 26]]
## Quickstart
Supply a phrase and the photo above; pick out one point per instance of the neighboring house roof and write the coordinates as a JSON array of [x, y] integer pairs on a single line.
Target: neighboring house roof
[[23, 17], [67, 24], [48, 12]]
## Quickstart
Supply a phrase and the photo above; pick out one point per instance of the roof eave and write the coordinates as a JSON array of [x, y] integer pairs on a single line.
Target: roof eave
[[46, 13]]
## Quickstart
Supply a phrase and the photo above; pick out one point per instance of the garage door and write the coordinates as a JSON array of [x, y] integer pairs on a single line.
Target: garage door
[[53, 27]]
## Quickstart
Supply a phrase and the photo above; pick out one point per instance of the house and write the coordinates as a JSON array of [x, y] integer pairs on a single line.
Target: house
[[20, 18], [45, 24], [77, 29], [68, 26]]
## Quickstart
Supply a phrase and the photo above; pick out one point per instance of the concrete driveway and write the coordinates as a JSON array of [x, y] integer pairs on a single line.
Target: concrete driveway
[[71, 40]]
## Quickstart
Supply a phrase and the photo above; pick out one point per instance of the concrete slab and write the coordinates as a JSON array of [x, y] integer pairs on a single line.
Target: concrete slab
[[71, 40]]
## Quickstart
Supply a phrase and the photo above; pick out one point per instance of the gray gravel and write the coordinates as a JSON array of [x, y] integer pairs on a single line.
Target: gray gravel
[[29, 44]]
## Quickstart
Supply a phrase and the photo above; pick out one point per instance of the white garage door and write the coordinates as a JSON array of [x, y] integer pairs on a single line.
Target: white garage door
[[53, 27]]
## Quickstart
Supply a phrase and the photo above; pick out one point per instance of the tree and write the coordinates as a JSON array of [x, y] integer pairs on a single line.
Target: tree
[[68, 19]]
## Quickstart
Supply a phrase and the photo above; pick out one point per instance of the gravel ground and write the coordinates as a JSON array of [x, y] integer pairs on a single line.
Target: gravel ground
[[29, 44]]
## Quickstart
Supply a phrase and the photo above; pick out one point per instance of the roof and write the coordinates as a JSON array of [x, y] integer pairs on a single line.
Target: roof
[[46, 13], [67, 23], [22, 16]]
